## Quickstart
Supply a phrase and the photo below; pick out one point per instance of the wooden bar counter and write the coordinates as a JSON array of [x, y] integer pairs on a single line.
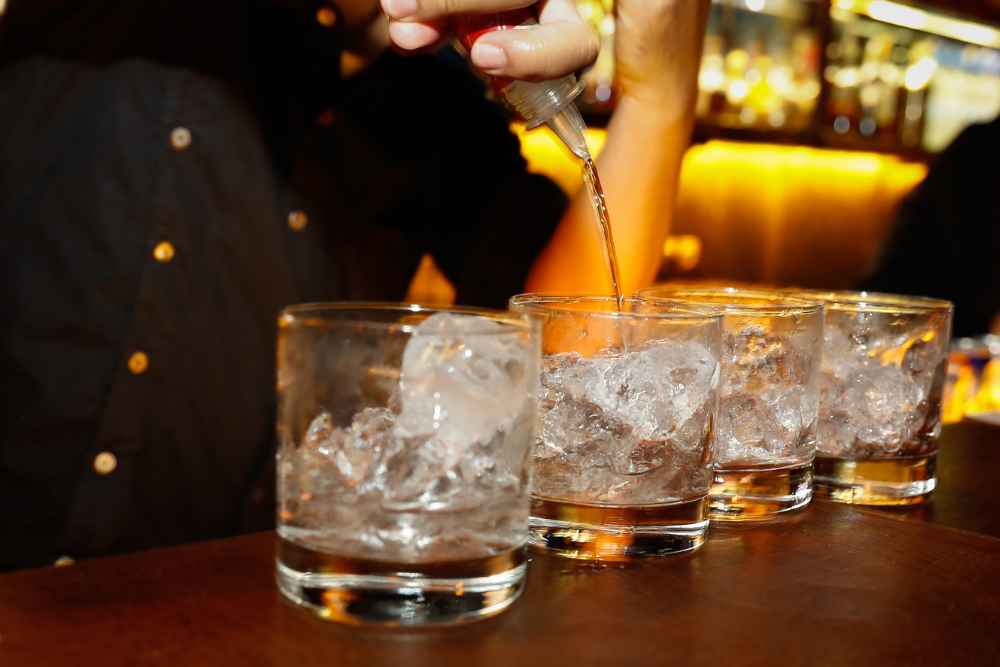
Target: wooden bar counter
[[833, 585]]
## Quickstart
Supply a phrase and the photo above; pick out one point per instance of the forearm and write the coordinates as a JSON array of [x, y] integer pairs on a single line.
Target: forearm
[[639, 168]]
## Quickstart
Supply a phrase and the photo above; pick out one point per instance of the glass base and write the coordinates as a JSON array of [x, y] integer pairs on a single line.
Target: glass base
[[905, 480], [759, 493], [617, 532], [368, 592]]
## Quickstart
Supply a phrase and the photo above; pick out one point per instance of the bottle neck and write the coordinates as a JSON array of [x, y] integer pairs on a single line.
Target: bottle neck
[[543, 102], [551, 103]]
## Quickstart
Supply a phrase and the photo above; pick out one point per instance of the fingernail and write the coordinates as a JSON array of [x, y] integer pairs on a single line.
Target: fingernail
[[400, 9], [488, 57], [411, 36]]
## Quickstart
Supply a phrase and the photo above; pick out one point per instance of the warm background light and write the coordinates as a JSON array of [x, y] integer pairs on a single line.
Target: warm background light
[[931, 22], [790, 214], [756, 213], [973, 386], [768, 213]]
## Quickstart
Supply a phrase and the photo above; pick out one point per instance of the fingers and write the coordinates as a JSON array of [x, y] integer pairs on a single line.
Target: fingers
[[541, 52], [415, 36], [562, 43], [418, 24], [554, 11], [430, 10]]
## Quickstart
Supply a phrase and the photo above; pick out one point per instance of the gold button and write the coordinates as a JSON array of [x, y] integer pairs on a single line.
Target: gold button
[[163, 252], [180, 138], [326, 17], [326, 118], [138, 363], [63, 561], [105, 463], [298, 220]]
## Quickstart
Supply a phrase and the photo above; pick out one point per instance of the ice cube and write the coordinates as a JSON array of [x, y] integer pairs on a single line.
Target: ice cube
[[766, 412], [610, 420], [883, 401], [662, 388], [414, 474], [460, 383], [922, 354], [742, 430], [768, 426], [650, 392], [749, 349], [344, 456], [876, 412], [840, 359], [757, 359], [461, 432]]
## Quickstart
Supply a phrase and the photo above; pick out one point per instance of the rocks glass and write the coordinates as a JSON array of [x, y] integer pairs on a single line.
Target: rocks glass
[[403, 460], [765, 436], [884, 368], [627, 403]]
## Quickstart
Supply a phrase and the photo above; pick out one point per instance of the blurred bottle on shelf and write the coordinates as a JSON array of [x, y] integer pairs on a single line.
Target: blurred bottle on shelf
[[760, 64], [894, 86], [887, 86], [965, 90]]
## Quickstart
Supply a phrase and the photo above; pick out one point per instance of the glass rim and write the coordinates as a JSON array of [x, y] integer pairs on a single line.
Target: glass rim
[[877, 302], [319, 313], [543, 303], [781, 304]]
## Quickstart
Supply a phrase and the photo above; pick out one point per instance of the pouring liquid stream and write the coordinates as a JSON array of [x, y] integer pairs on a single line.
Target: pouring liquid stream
[[596, 190]]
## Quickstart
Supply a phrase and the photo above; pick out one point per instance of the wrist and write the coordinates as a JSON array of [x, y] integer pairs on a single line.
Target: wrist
[[654, 113]]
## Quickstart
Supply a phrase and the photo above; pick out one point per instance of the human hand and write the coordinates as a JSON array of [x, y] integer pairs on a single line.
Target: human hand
[[561, 43], [658, 50]]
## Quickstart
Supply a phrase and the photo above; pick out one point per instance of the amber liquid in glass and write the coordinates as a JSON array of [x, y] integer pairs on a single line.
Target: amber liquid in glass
[[304, 559], [617, 532], [904, 480]]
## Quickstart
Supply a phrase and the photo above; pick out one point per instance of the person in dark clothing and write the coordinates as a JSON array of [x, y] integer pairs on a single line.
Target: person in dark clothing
[[173, 173], [946, 238]]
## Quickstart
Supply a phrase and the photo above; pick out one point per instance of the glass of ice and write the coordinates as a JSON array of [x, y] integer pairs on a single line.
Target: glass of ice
[[402, 466], [765, 436], [627, 402], [883, 374]]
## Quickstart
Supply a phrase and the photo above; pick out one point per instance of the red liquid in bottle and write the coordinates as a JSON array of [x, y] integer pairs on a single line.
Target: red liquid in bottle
[[471, 27]]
